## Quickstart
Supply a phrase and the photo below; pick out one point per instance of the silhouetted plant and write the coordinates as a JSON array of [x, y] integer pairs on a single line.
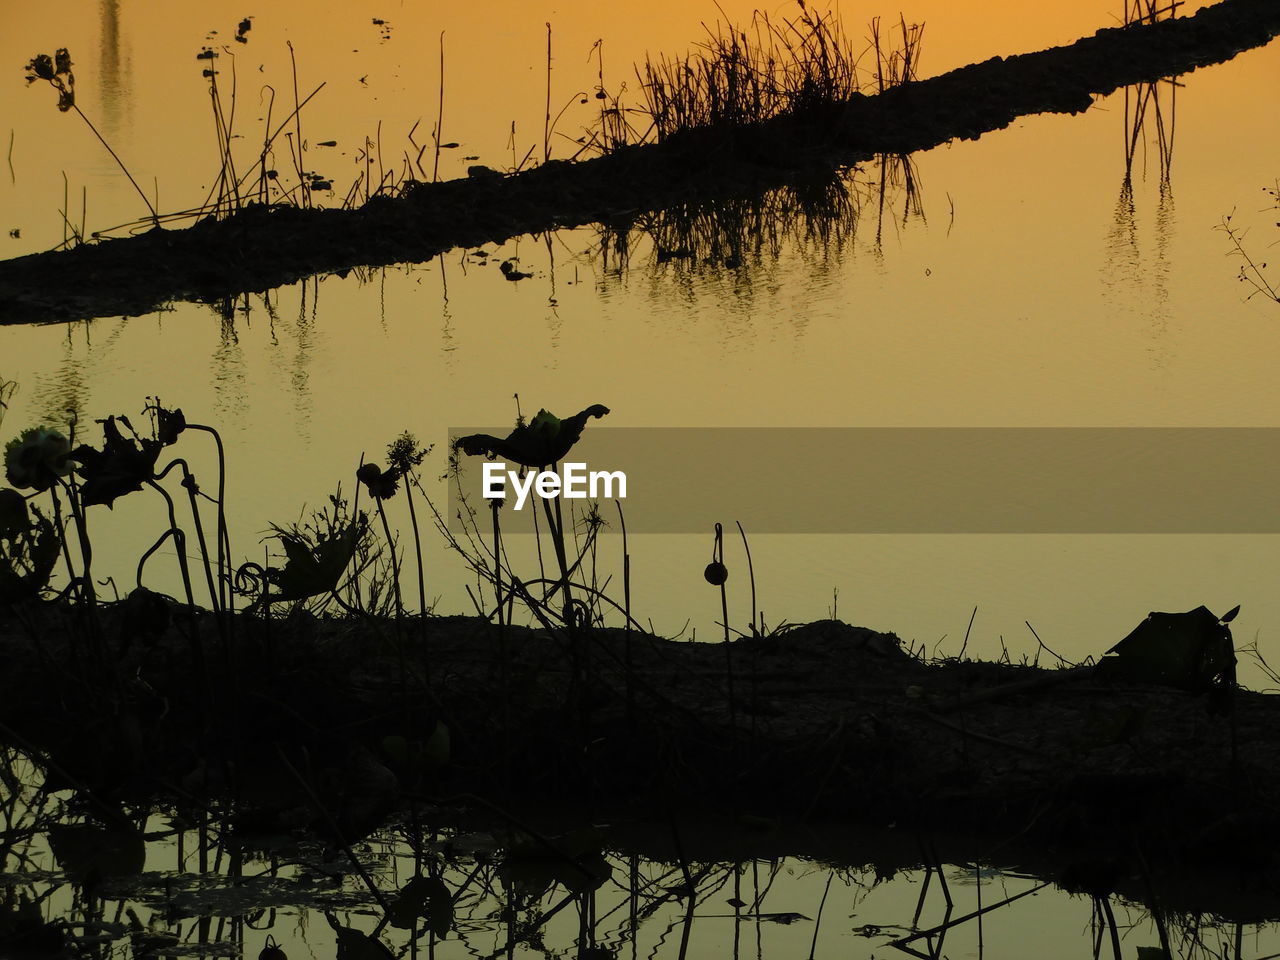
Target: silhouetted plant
[[28, 549], [405, 456], [741, 76], [541, 442], [1252, 270], [56, 71], [7, 389], [382, 485], [317, 555]]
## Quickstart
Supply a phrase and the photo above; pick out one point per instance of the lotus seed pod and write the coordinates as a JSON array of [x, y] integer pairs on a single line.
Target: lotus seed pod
[[716, 573]]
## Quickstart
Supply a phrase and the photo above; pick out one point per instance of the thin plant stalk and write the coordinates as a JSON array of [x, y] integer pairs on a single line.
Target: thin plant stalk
[[435, 169], [751, 574], [546, 123], [504, 680], [224, 545], [114, 156], [297, 124], [395, 562], [626, 600]]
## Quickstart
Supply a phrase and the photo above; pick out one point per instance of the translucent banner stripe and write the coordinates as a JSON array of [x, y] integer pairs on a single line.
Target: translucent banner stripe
[[925, 480]]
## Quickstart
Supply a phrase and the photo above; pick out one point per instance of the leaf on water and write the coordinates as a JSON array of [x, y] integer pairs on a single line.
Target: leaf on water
[[410, 756], [436, 750], [575, 860], [88, 851], [782, 917], [423, 898]]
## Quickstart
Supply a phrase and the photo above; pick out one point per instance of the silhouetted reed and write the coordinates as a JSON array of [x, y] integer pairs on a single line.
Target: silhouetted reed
[[794, 67]]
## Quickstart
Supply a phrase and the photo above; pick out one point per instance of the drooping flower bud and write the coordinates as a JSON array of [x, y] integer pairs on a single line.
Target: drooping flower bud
[[35, 459]]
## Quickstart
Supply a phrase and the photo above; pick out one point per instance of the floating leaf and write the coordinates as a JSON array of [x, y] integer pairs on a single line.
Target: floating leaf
[[410, 757], [87, 851], [436, 750], [423, 898], [574, 860]]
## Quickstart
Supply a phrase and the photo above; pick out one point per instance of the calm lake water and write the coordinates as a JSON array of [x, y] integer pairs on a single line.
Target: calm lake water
[[1022, 282]]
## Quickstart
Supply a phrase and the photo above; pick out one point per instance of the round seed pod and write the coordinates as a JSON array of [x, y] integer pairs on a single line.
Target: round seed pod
[[716, 573]]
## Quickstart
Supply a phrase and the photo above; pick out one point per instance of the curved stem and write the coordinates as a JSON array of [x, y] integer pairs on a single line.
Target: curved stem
[[189, 484], [180, 543], [395, 561], [224, 540]]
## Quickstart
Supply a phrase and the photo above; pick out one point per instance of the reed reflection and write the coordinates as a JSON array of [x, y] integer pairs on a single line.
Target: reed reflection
[[91, 876], [1154, 103], [228, 360], [746, 235], [1138, 280], [114, 70]]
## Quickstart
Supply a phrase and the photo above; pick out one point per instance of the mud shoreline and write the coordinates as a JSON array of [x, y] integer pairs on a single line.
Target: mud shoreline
[[829, 723]]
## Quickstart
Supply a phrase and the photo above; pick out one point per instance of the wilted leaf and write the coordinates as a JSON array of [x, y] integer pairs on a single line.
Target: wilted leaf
[[313, 568], [1186, 650], [23, 933], [544, 440], [14, 516], [122, 466], [423, 898], [27, 560]]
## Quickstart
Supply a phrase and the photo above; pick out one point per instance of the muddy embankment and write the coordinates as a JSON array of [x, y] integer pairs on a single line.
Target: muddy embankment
[[262, 248], [819, 724]]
